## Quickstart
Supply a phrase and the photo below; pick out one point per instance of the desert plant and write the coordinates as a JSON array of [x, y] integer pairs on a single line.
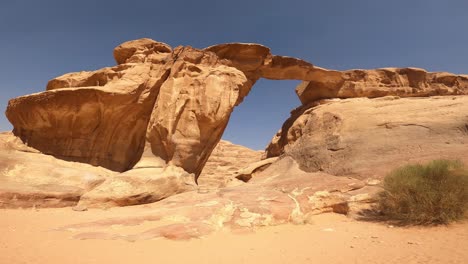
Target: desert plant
[[434, 193]]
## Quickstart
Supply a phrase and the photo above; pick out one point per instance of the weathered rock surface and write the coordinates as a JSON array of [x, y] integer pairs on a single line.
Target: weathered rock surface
[[193, 108], [101, 125], [139, 186], [403, 82], [256, 61], [280, 194], [247, 57], [158, 115], [248, 172], [141, 50], [226, 161], [31, 179], [368, 137], [177, 100]]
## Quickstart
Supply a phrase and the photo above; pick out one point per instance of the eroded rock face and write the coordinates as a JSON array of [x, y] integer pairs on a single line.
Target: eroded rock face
[[256, 61], [138, 186], [141, 50], [177, 100], [368, 137], [31, 179], [280, 194], [100, 125], [247, 57], [403, 82], [193, 108], [159, 113], [226, 162]]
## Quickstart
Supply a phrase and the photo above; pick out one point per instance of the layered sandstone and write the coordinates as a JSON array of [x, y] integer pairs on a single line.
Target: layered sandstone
[[369, 137], [403, 82], [226, 162], [150, 123], [99, 118], [280, 194], [177, 100], [30, 179], [193, 108]]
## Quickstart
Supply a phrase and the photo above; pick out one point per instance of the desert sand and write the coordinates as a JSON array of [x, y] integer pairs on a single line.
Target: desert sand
[[28, 236]]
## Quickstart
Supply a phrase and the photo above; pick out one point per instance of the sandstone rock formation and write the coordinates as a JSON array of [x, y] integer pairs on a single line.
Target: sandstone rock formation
[[97, 117], [150, 123], [254, 168], [403, 82], [30, 179], [368, 137], [226, 162], [193, 108], [177, 100], [280, 194], [138, 186]]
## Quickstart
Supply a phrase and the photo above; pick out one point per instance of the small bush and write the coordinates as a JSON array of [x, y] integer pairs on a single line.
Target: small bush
[[434, 193]]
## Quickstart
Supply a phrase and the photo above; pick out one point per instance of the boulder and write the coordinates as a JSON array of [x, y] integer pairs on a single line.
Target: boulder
[[139, 186]]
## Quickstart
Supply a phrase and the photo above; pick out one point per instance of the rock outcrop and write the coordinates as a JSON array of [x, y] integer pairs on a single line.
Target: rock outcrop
[[193, 108], [178, 100], [138, 186], [99, 118], [150, 123], [30, 179], [226, 162], [280, 194], [368, 137], [403, 82]]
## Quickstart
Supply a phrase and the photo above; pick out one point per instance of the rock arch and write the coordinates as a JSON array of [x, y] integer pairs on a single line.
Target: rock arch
[[163, 106]]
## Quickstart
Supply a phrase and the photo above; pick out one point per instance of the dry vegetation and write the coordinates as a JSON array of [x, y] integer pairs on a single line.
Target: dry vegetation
[[433, 193]]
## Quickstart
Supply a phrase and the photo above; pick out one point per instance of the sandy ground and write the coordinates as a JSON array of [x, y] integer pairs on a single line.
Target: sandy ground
[[27, 236]]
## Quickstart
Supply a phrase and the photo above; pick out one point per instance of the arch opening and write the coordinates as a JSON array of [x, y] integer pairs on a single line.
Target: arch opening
[[256, 120]]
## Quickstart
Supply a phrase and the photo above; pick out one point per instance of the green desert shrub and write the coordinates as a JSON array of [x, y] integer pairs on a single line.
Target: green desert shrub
[[433, 193]]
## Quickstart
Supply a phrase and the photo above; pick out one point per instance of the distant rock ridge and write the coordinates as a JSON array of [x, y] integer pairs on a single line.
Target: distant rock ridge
[[225, 163]]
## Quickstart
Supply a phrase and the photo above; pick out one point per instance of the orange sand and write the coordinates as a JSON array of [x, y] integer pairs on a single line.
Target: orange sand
[[27, 237]]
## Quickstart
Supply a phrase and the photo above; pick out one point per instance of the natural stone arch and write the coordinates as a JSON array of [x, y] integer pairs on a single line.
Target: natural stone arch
[[212, 82], [179, 101]]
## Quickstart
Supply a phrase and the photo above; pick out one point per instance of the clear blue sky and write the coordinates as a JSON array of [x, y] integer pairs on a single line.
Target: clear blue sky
[[43, 39]]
